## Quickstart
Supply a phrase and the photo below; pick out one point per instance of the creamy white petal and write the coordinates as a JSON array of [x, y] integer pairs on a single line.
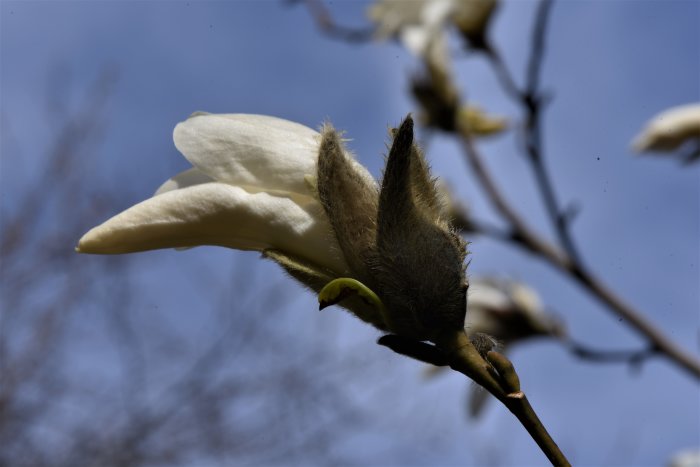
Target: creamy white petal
[[485, 294], [489, 298], [526, 299], [223, 215], [416, 39], [252, 151], [668, 130], [426, 37], [183, 180]]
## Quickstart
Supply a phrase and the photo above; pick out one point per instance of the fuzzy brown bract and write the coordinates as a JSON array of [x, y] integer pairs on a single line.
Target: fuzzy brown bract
[[396, 240]]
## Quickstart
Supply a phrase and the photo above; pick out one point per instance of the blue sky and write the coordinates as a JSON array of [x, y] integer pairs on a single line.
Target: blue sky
[[610, 66]]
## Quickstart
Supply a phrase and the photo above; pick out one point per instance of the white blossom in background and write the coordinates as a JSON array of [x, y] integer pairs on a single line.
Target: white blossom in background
[[670, 129], [418, 23], [686, 458], [507, 310], [422, 27]]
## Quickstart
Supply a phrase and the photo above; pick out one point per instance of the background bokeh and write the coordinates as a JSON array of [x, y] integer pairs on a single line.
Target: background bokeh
[[213, 357]]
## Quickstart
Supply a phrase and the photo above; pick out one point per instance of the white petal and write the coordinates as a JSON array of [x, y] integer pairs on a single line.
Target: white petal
[[427, 40], [416, 39], [668, 130], [252, 151], [223, 215], [184, 179], [526, 300], [485, 293], [436, 12]]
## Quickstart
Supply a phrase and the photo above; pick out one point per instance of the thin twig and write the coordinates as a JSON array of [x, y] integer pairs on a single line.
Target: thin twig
[[534, 66], [522, 233], [504, 384], [502, 72], [525, 237], [633, 357], [532, 103], [567, 261], [461, 220], [328, 26]]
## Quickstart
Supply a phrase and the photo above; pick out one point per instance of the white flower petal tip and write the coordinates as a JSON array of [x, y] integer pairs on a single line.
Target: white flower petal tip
[[669, 130], [216, 214]]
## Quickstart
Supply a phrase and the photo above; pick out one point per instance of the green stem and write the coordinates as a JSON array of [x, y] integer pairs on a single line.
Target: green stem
[[503, 385]]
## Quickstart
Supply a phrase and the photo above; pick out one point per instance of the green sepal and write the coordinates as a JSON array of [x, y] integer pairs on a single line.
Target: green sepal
[[344, 287], [316, 278]]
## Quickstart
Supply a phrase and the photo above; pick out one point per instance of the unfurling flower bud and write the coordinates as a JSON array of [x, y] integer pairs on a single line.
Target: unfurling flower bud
[[262, 183]]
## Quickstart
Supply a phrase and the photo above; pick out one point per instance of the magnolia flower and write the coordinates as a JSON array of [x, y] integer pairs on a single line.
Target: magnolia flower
[[670, 129], [261, 183]]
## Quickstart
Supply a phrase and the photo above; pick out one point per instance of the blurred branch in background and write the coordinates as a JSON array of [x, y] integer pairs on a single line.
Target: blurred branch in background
[[65, 402], [324, 20], [43, 283]]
